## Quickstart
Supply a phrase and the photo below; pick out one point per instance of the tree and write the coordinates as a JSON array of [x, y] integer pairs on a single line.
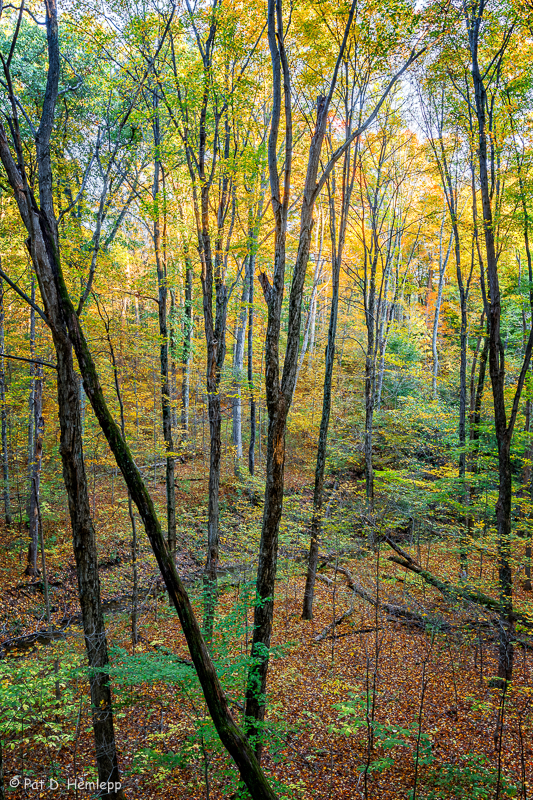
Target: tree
[[210, 150], [280, 387], [447, 154], [65, 325], [485, 83], [43, 244], [3, 413]]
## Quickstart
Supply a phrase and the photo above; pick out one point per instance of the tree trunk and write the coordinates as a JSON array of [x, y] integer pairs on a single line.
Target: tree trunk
[[31, 399], [369, 418], [525, 491], [43, 246], [438, 303], [38, 430], [463, 342], [131, 514], [504, 429], [238, 362], [162, 288], [187, 348], [84, 542], [215, 333], [338, 237], [250, 362], [279, 394], [309, 330], [3, 413], [383, 333], [172, 348], [316, 522]]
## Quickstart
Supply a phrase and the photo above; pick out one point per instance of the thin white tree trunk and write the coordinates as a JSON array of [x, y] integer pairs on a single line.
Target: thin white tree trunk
[[438, 303], [309, 332]]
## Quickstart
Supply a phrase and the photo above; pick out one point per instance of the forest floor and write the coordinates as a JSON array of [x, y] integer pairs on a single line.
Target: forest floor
[[380, 706]]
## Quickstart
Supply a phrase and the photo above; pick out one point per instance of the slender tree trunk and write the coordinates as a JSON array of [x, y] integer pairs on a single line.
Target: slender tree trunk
[[369, 428], [3, 413], [316, 522], [438, 303], [162, 287], [31, 399], [173, 369], [131, 514], [213, 511], [309, 330], [476, 397], [238, 363], [215, 333], [338, 237], [525, 490], [250, 362], [370, 380], [312, 333], [463, 542], [38, 429], [527, 482], [187, 348], [383, 333]]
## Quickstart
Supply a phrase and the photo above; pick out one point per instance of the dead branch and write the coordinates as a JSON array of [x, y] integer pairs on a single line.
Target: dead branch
[[391, 609]]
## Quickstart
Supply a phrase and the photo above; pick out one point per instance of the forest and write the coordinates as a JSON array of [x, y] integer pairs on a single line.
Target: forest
[[266, 399]]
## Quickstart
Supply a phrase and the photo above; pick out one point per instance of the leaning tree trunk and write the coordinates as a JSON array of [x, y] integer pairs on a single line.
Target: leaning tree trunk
[[59, 310], [3, 413]]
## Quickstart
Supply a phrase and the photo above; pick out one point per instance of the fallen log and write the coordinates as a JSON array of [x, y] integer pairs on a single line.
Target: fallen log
[[112, 606], [468, 593], [392, 609]]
